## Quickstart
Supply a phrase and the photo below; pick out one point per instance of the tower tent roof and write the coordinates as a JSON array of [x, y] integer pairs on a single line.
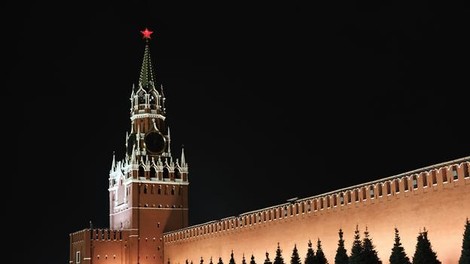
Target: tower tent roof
[[147, 75]]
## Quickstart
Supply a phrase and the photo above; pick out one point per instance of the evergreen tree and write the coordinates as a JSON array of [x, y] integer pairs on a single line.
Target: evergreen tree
[[202, 261], [295, 259], [341, 256], [356, 250], [310, 257], [210, 262], [278, 259], [369, 254], [220, 261], [267, 260], [252, 261], [424, 253], [243, 259], [465, 255], [398, 255], [320, 256], [232, 260]]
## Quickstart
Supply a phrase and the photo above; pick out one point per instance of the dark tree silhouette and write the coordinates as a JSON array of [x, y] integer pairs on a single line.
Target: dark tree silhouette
[[252, 261], [398, 255], [202, 261], [210, 261], [465, 255], [220, 261], [369, 254], [243, 259], [320, 256], [295, 259], [278, 259], [341, 256], [356, 250], [310, 257], [424, 253], [232, 260], [267, 260]]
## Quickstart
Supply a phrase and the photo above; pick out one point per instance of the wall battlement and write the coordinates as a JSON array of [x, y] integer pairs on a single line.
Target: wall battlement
[[432, 178]]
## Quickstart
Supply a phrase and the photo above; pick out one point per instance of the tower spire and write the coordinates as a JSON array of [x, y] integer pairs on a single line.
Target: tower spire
[[147, 76]]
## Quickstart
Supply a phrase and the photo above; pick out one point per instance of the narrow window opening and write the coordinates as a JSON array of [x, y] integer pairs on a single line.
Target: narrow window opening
[[415, 182], [397, 186], [371, 192], [454, 173], [433, 176], [349, 196], [444, 175], [334, 200], [341, 198], [364, 195], [389, 189], [380, 187], [405, 183], [356, 195], [425, 179]]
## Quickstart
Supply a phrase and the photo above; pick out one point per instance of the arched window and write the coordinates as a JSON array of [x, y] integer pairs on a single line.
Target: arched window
[[166, 173], [153, 172], [141, 171], [177, 174]]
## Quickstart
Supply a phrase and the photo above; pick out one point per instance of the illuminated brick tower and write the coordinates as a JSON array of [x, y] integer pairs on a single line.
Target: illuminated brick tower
[[148, 190]]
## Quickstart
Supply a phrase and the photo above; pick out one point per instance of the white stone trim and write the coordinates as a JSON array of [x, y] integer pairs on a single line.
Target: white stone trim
[[147, 115]]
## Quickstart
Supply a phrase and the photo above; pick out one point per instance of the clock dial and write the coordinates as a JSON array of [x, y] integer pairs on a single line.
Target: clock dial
[[155, 142]]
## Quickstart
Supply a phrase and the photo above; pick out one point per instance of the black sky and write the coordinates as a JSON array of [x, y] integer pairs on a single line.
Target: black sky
[[270, 101]]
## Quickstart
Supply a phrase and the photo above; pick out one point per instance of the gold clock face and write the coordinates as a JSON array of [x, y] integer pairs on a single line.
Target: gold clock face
[[155, 142]]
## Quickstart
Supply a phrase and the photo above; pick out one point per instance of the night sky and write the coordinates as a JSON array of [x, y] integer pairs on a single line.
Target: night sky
[[270, 102]]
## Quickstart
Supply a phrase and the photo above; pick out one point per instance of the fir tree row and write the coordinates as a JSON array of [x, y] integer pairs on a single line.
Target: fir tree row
[[363, 252]]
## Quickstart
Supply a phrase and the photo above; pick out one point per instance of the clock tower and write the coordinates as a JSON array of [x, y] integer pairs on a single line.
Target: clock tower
[[148, 188]]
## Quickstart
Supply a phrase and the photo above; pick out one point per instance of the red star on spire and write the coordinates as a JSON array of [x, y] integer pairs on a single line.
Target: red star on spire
[[146, 33]]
